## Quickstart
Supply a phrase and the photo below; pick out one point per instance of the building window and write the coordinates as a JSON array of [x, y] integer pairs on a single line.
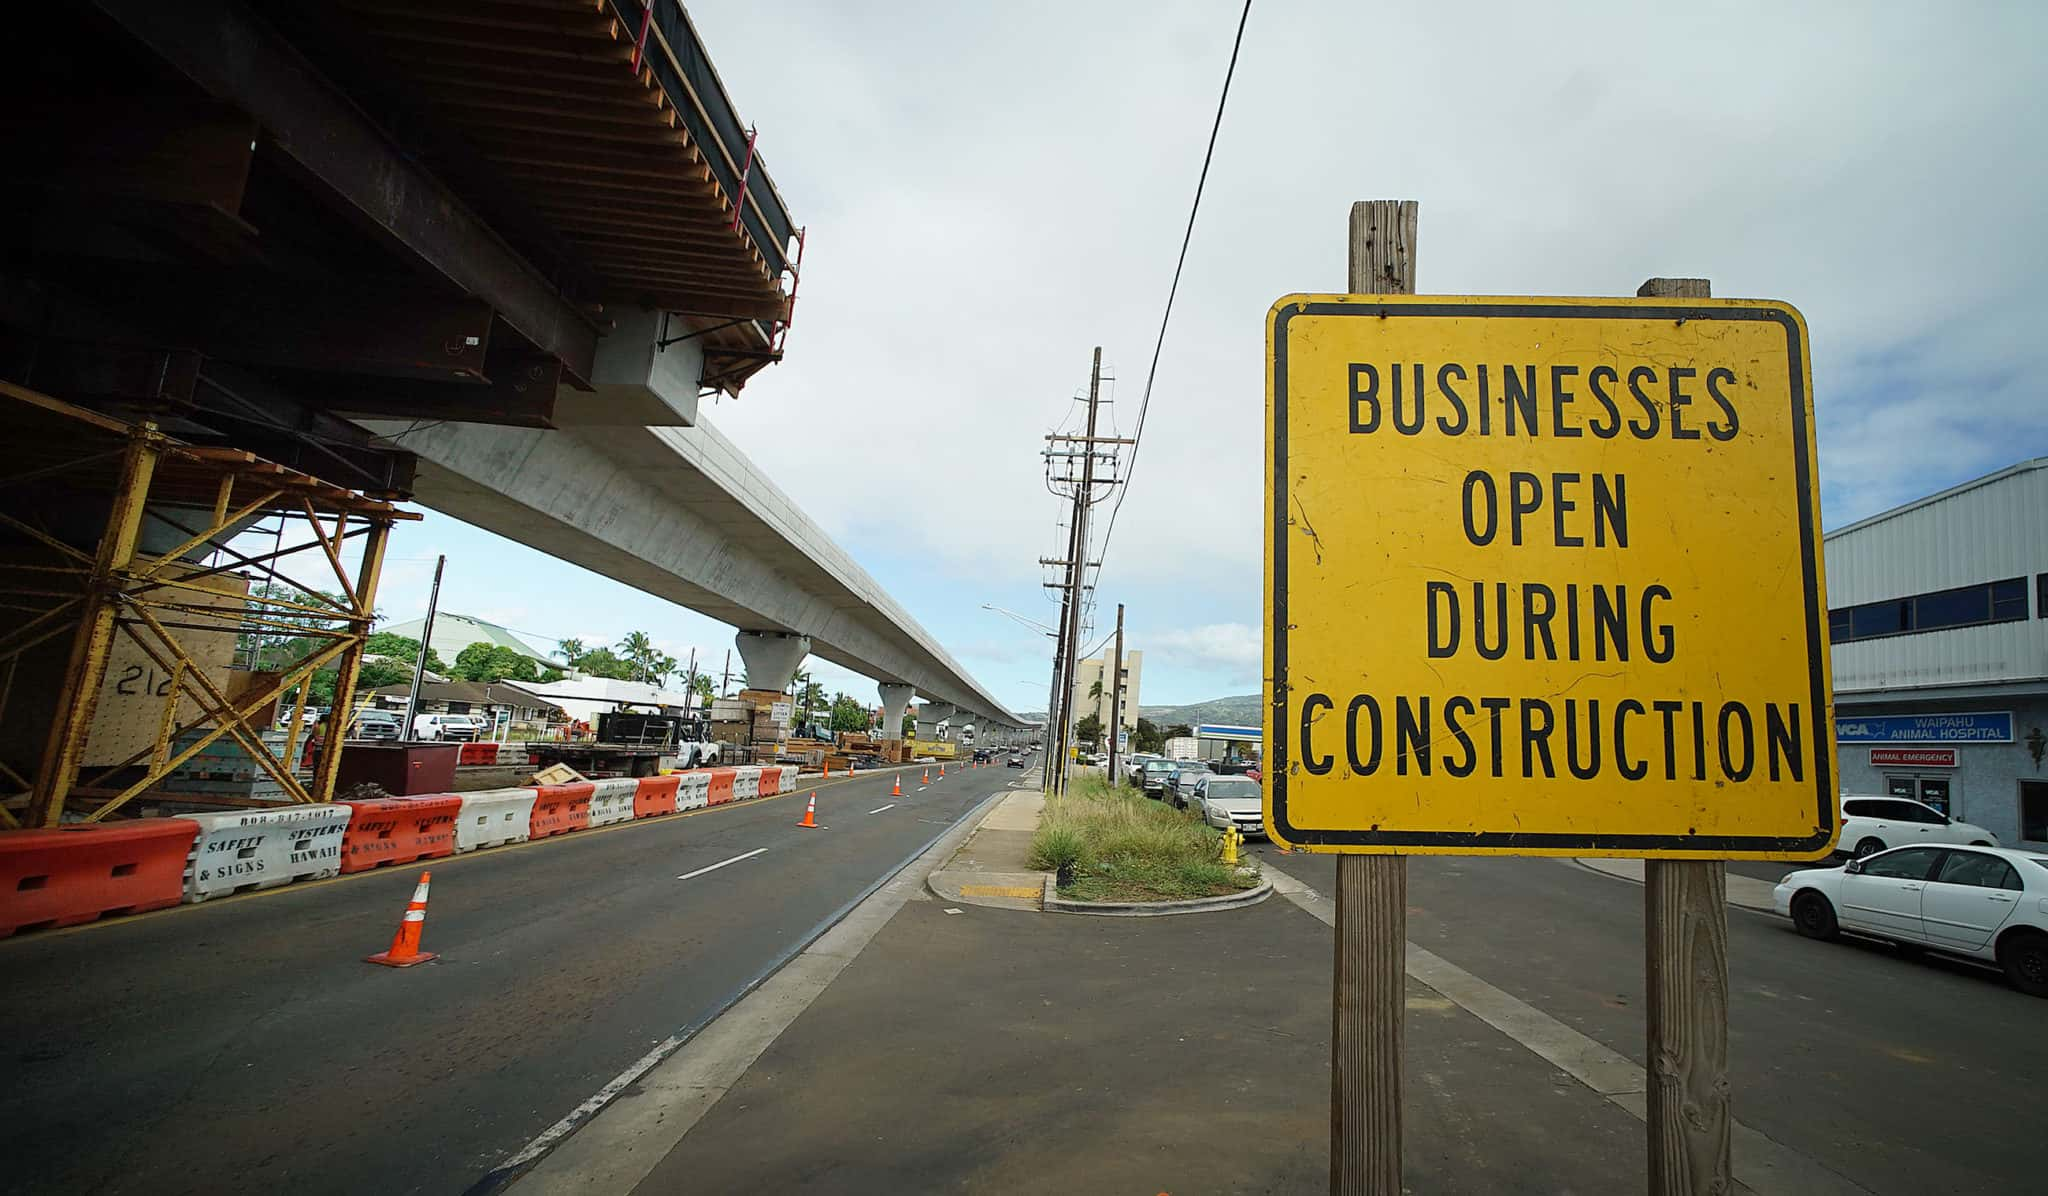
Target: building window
[[2034, 811], [1964, 606], [2041, 595]]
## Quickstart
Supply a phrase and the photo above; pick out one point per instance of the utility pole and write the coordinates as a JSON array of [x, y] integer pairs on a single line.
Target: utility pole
[[1077, 573], [725, 678], [419, 664], [690, 684], [1116, 698]]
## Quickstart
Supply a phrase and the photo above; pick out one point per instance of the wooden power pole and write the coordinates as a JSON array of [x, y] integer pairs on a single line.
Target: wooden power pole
[[1685, 966], [1369, 992]]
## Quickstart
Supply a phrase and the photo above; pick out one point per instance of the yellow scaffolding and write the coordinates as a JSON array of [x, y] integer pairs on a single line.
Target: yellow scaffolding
[[55, 587]]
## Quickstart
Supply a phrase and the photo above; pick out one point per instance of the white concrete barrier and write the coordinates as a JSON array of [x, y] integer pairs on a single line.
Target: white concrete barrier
[[612, 801], [262, 849], [746, 782], [493, 817], [695, 791]]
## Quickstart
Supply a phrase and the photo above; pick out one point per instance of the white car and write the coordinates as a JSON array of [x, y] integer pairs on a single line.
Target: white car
[[1225, 801], [1872, 824], [1988, 903]]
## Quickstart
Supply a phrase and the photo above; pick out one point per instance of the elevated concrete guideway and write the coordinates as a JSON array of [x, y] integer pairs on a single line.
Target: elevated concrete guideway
[[682, 514]]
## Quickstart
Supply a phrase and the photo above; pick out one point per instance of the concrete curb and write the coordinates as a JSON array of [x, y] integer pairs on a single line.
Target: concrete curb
[[1055, 904], [1744, 892]]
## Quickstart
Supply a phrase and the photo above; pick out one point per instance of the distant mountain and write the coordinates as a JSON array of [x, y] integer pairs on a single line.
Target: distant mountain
[[1239, 711]]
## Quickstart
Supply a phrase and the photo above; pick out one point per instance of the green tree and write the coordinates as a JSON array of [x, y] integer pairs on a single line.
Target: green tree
[[909, 724], [637, 649], [1146, 737], [603, 662], [571, 650], [494, 662], [1095, 689], [810, 696], [848, 714], [705, 689], [377, 674], [403, 650], [1179, 731], [1088, 730]]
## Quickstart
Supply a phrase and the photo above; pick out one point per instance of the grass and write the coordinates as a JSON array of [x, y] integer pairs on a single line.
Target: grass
[[1125, 847]]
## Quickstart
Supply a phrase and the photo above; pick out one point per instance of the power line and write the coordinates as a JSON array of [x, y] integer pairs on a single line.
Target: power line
[[1145, 401]]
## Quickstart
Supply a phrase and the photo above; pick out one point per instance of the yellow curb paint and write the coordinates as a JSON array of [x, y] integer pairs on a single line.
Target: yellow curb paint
[[1001, 891]]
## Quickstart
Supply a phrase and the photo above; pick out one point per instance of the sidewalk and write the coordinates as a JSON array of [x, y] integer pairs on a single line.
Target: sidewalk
[[993, 867], [994, 1050]]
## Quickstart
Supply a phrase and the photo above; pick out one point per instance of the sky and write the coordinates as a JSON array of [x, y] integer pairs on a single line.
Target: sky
[[991, 191]]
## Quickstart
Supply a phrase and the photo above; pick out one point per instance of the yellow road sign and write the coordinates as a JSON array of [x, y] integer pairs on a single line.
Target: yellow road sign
[[1543, 576]]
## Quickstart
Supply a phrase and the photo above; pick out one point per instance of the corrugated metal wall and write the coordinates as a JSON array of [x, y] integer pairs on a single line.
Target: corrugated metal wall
[[1984, 533]]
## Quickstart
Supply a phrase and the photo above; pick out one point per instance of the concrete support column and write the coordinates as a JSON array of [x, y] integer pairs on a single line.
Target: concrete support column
[[929, 716], [772, 657], [895, 698]]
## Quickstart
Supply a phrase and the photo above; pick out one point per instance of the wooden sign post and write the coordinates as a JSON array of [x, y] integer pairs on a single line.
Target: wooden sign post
[[1685, 974], [1368, 996]]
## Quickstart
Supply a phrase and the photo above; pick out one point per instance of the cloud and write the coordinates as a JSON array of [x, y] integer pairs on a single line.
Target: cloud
[[1232, 648]]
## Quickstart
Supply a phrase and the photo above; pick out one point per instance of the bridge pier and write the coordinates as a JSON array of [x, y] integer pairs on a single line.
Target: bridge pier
[[895, 699], [772, 657], [929, 716]]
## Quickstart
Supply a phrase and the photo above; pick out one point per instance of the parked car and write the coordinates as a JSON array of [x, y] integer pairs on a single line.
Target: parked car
[[376, 724], [446, 728], [1872, 824], [1182, 780], [1988, 903], [1226, 801], [1156, 773], [1016, 759]]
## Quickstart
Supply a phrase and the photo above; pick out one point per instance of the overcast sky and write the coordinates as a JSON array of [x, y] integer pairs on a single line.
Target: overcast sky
[[992, 190]]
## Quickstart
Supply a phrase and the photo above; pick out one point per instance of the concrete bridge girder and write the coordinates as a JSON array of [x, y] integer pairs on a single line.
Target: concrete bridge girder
[[682, 514]]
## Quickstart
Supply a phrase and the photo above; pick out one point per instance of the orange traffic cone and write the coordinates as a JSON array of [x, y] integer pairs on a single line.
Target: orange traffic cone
[[925, 778], [896, 790], [942, 770], [810, 822], [828, 770], [405, 945]]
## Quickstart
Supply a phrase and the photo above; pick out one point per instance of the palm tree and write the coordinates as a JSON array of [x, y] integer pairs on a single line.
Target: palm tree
[[570, 650], [639, 651]]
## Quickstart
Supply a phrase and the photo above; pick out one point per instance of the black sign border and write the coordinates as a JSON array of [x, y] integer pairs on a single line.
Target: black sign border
[[1277, 767]]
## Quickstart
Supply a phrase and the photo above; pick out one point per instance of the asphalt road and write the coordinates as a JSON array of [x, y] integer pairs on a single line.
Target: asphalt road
[[1905, 1074], [244, 1045]]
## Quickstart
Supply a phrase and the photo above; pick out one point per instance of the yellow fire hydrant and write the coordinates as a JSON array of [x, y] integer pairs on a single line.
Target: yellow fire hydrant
[[1230, 838]]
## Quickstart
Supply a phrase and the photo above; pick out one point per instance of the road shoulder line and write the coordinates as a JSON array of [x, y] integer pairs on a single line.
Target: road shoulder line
[[617, 1147], [1762, 1164]]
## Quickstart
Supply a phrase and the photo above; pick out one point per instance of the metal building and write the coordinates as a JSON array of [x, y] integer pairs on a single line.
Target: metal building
[[1938, 620]]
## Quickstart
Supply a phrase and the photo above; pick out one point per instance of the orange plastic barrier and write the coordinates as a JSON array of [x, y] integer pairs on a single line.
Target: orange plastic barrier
[[721, 785], [69, 875], [399, 830], [478, 753], [559, 809], [656, 796], [771, 782]]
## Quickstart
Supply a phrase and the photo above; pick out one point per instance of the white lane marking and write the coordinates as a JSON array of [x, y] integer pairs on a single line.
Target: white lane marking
[[722, 863], [890, 806], [922, 788]]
